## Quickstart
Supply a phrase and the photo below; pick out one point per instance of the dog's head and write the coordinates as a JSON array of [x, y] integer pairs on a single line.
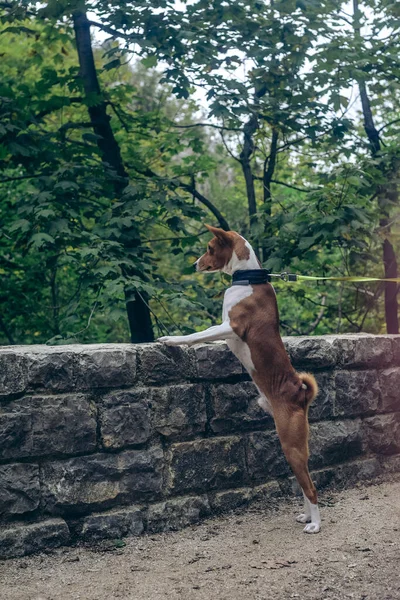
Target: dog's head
[[225, 249]]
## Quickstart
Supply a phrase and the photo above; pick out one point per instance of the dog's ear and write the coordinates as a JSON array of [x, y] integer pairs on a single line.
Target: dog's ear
[[222, 236]]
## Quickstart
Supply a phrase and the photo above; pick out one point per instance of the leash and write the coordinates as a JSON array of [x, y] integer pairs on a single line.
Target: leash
[[285, 276], [260, 276]]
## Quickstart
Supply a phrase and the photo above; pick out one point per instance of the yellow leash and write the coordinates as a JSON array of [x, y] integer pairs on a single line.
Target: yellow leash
[[293, 277]]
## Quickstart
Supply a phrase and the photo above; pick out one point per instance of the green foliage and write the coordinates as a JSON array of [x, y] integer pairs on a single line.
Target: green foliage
[[252, 72]]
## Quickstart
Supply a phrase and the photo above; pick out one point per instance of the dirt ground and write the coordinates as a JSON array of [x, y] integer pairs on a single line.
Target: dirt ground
[[256, 554]]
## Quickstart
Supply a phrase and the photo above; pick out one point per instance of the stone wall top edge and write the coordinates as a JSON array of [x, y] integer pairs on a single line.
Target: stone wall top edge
[[341, 336], [74, 348], [78, 348]]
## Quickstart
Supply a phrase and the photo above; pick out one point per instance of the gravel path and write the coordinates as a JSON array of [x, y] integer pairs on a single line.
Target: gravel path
[[253, 555]]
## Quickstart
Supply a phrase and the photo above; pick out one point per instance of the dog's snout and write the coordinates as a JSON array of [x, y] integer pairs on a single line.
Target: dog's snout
[[195, 265]]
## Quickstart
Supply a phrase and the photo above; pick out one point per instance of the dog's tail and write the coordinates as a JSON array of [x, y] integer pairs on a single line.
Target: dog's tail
[[310, 385]]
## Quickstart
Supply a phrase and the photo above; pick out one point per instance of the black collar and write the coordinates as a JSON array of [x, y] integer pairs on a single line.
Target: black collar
[[250, 277]]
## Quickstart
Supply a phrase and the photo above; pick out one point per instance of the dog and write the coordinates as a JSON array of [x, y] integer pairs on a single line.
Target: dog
[[250, 326]]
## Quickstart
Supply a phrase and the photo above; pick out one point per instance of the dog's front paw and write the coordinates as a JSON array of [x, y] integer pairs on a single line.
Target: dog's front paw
[[170, 340]]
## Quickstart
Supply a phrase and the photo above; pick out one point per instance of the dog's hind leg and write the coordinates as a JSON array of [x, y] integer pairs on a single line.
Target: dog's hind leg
[[292, 426], [305, 517]]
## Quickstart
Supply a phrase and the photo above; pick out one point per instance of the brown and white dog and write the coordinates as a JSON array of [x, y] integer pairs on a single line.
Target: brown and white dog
[[251, 329]]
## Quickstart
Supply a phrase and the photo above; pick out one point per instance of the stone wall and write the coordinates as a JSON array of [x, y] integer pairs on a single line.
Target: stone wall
[[111, 440]]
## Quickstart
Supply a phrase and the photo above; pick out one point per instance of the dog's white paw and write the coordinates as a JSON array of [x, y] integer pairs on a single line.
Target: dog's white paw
[[170, 340], [303, 518], [312, 528]]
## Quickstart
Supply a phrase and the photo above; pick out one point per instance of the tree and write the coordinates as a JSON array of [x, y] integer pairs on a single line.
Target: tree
[[136, 302], [387, 192], [69, 151]]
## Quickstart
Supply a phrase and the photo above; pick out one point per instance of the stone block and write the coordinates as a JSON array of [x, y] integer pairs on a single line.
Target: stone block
[[113, 524], [19, 489], [357, 393], [15, 434], [179, 410], [125, 418], [206, 464], [101, 481], [267, 492], [389, 383], [13, 372], [230, 499], [106, 366], [216, 361], [161, 364], [355, 471], [383, 433], [42, 425], [176, 513], [52, 369], [391, 464], [235, 407], [364, 351], [311, 352], [334, 441], [21, 539], [265, 459], [323, 405], [395, 339], [343, 475]]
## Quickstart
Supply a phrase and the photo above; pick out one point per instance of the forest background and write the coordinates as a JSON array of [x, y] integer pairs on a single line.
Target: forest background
[[126, 126]]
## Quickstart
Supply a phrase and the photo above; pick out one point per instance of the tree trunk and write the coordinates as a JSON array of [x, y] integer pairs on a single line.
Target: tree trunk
[[248, 148], [138, 312], [223, 223], [269, 169], [389, 196], [139, 319], [386, 195]]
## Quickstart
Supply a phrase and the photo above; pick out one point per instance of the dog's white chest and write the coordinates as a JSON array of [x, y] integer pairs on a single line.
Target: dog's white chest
[[240, 349], [233, 296]]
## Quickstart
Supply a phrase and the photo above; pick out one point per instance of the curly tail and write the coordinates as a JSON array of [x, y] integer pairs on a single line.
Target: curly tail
[[310, 385]]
